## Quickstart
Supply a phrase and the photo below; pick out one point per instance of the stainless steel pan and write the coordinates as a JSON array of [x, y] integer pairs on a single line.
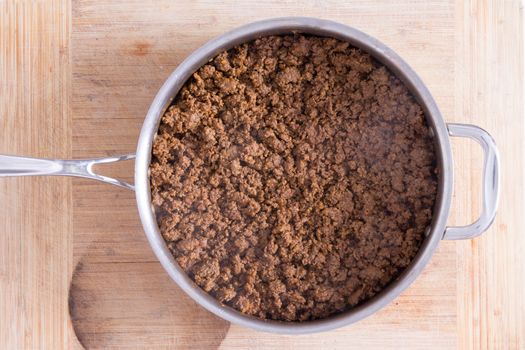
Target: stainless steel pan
[[18, 166]]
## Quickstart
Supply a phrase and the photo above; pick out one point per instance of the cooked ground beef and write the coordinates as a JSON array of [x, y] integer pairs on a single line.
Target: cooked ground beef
[[293, 177]]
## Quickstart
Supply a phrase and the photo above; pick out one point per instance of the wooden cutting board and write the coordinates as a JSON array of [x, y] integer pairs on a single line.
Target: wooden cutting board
[[77, 80]]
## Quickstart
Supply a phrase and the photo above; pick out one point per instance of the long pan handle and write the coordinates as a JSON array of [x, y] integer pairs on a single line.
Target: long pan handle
[[23, 166]]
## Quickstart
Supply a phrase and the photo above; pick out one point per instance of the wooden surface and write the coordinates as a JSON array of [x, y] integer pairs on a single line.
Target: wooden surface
[[35, 214], [490, 93], [77, 79]]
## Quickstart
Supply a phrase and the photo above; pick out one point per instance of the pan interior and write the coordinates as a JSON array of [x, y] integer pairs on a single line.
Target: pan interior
[[277, 27]]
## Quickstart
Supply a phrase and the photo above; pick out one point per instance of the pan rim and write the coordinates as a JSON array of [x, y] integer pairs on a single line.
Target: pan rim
[[285, 25]]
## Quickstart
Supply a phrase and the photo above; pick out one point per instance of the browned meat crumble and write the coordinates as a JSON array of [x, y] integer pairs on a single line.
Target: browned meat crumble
[[293, 177]]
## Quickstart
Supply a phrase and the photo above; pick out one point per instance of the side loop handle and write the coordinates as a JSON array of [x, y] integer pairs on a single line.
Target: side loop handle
[[490, 182]]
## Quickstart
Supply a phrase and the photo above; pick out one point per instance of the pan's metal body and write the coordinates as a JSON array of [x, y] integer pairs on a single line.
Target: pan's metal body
[[17, 166]]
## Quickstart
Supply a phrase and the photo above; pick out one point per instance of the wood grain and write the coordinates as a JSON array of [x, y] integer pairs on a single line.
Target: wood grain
[[35, 215], [122, 52], [76, 81], [489, 93]]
